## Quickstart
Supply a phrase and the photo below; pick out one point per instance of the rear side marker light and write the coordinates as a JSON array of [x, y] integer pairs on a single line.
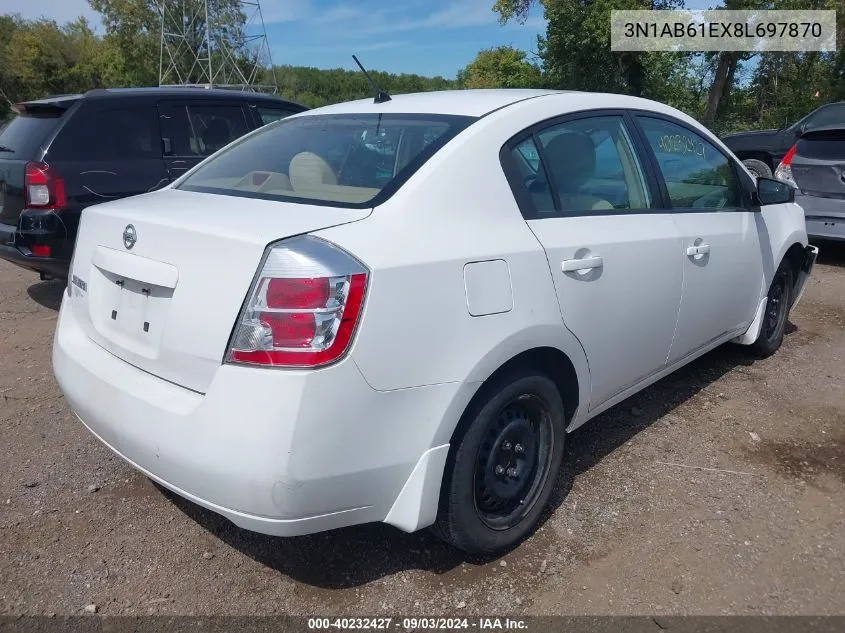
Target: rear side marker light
[[303, 307], [39, 250]]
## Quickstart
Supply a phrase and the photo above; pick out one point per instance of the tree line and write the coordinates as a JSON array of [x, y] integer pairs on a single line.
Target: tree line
[[726, 91]]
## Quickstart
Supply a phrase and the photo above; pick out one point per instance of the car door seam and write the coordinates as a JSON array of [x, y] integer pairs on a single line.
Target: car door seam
[[560, 306], [681, 296]]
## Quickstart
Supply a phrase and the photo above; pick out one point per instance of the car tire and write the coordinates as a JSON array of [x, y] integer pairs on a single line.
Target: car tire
[[502, 468], [758, 167], [776, 312]]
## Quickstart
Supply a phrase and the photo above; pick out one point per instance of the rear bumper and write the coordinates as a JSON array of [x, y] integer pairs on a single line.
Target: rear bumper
[[49, 265], [825, 217], [277, 452]]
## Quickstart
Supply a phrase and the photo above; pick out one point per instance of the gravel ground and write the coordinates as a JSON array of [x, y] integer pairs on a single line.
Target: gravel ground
[[759, 528]]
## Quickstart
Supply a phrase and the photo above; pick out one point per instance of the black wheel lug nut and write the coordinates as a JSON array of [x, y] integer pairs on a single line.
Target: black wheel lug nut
[[519, 448], [500, 470], [511, 472], [506, 446]]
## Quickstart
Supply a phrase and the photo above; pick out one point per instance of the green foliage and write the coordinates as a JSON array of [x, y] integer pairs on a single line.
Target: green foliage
[[40, 57], [575, 54], [576, 49], [502, 67], [315, 87], [133, 28]]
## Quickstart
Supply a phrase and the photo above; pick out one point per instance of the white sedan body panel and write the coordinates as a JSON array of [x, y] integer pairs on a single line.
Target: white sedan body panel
[[459, 284], [722, 286], [625, 337]]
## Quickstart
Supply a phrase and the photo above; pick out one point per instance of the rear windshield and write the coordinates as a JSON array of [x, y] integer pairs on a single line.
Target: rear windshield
[[349, 160], [26, 135]]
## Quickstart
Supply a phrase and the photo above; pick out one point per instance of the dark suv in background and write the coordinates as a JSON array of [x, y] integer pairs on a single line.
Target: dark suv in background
[[762, 150], [64, 153]]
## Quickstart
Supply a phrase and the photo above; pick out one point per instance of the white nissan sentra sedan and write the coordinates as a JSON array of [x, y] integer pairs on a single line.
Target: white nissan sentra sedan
[[397, 311]]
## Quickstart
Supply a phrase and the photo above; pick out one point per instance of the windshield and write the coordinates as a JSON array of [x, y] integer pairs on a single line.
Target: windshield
[[352, 160], [25, 135]]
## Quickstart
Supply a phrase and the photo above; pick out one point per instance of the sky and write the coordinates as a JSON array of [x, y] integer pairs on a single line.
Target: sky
[[426, 37]]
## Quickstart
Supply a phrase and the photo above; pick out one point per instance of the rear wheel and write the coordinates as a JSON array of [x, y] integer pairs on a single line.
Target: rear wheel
[[758, 167], [502, 470], [776, 314]]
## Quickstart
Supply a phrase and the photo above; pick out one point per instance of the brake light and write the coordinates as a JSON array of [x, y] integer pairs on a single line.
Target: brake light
[[303, 308], [784, 169], [44, 188], [40, 250]]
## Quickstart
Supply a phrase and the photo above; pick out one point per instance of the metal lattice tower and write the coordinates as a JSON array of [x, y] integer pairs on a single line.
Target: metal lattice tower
[[215, 43]]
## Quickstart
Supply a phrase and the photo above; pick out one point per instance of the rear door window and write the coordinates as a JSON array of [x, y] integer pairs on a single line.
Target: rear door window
[[200, 129], [111, 134], [583, 166], [341, 160]]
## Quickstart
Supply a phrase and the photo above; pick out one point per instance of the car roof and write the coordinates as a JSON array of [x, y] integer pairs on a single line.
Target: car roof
[[193, 92], [456, 102]]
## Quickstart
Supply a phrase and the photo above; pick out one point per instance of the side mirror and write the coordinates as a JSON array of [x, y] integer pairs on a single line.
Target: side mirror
[[771, 191]]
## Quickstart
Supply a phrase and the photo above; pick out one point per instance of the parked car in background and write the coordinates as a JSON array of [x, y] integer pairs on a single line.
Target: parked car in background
[[312, 330], [815, 166], [762, 150], [62, 154]]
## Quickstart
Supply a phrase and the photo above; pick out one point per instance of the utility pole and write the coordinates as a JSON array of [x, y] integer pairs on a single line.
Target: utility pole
[[215, 44]]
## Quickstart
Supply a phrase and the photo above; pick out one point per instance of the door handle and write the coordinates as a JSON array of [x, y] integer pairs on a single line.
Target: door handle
[[585, 263], [701, 249]]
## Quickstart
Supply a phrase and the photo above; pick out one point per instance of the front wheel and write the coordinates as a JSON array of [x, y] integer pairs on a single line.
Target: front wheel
[[776, 313], [502, 470]]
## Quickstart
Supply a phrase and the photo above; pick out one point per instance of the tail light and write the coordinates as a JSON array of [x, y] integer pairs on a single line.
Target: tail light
[[40, 250], [784, 169], [303, 307], [44, 188]]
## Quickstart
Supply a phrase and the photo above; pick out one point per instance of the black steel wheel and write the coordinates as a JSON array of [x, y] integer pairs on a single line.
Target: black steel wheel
[[513, 461], [776, 314], [502, 463], [775, 306]]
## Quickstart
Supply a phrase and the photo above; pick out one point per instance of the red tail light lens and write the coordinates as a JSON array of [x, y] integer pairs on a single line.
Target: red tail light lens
[[44, 188], [783, 172], [303, 308], [303, 294], [40, 250], [788, 158]]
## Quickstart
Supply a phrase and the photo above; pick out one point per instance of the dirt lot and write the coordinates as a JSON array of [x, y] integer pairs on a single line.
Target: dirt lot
[[634, 529]]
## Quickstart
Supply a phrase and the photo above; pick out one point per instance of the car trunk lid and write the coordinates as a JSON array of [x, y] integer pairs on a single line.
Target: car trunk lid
[[818, 165], [158, 280]]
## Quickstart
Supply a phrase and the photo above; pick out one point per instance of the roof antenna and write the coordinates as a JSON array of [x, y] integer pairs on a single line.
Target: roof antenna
[[381, 96]]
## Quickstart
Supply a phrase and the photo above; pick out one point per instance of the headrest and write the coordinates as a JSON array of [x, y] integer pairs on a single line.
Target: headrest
[[572, 160], [309, 171]]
